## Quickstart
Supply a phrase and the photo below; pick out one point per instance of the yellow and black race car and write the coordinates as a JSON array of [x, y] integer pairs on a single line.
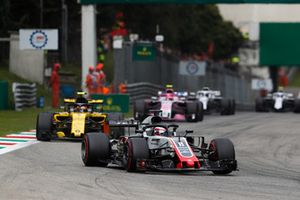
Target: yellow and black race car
[[80, 116]]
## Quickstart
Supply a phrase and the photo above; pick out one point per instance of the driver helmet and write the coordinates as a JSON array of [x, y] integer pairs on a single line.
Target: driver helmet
[[159, 130], [77, 108], [280, 89], [83, 108]]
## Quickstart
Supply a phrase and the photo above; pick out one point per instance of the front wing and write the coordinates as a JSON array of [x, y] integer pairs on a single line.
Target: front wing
[[205, 166]]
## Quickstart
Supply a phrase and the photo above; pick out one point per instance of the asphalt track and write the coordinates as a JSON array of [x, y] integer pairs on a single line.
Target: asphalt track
[[267, 149]]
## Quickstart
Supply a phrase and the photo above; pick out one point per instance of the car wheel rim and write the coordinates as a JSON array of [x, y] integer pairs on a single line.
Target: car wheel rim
[[84, 152]]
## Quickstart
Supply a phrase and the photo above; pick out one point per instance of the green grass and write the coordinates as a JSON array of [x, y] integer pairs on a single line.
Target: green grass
[[13, 121]]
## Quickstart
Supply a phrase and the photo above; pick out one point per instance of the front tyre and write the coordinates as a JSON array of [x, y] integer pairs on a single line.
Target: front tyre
[[136, 149], [44, 126], [192, 111], [95, 149], [222, 150]]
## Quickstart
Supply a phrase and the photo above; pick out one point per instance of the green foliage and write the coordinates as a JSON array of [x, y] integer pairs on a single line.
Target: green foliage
[[188, 28], [295, 82]]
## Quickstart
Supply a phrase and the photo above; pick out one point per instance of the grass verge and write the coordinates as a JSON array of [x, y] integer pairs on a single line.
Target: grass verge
[[13, 121]]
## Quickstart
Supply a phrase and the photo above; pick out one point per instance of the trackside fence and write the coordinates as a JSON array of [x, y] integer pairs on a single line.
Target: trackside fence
[[144, 78]]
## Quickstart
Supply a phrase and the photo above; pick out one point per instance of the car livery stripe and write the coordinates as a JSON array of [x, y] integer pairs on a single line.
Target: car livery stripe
[[16, 141]]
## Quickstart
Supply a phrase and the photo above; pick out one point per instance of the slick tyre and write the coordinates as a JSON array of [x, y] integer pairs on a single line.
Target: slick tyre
[[44, 126], [222, 149], [192, 111], [232, 107], [259, 105], [225, 107], [139, 110], [297, 106], [136, 149], [95, 149], [200, 112]]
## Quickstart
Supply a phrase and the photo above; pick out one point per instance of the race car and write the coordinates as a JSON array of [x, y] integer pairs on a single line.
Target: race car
[[212, 101], [173, 107], [158, 147], [278, 101], [79, 117]]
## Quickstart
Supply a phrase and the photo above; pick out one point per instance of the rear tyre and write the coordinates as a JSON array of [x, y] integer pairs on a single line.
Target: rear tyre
[[222, 150], [200, 111], [95, 149], [259, 105], [192, 111], [139, 110], [297, 106], [44, 126], [136, 148], [232, 110], [225, 107]]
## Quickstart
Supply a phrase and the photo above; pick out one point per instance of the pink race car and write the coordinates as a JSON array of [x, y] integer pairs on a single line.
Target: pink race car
[[172, 106]]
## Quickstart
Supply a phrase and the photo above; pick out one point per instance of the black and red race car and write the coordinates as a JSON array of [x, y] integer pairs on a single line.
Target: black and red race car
[[159, 147]]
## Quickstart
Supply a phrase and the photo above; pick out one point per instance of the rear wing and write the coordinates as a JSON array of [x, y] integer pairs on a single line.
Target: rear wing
[[69, 100], [95, 101]]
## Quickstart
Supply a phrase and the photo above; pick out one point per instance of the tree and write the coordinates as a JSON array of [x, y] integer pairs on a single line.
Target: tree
[[189, 28]]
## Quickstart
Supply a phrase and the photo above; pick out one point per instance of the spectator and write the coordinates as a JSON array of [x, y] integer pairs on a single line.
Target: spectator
[[100, 78], [91, 81]]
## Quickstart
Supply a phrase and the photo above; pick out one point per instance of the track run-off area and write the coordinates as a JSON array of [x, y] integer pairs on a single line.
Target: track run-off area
[[267, 150]]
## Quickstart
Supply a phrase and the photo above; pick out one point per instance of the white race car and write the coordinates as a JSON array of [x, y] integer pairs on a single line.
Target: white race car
[[213, 101], [277, 101]]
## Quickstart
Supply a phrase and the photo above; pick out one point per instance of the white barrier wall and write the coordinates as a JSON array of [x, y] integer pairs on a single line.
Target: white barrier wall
[[28, 64]]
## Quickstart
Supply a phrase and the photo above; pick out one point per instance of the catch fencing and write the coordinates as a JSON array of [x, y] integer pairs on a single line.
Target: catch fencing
[[165, 70]]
